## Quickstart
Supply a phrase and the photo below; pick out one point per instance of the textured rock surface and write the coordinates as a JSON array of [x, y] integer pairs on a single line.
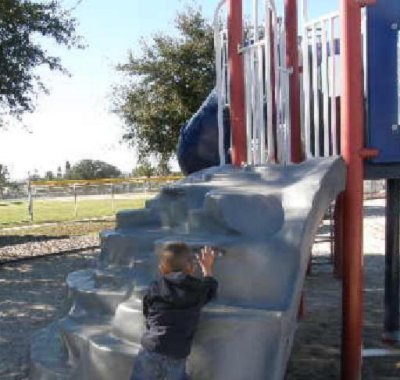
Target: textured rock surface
[[264, 220]]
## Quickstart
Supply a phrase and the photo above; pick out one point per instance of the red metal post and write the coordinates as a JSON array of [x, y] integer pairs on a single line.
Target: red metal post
[[236, 68], [292, 61], [352, 139]]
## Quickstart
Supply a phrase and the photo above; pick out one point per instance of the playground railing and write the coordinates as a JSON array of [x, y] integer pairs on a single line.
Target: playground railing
[[222, 74], [266, 83], [321, 88]]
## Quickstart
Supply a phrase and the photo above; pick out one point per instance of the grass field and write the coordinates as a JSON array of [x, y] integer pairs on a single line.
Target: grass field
[[47, 211]]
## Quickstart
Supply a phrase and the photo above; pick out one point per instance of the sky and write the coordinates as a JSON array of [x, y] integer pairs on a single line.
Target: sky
[[74, 122]]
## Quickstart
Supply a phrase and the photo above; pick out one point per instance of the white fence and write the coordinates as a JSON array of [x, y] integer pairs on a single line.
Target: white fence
[[266, 83]]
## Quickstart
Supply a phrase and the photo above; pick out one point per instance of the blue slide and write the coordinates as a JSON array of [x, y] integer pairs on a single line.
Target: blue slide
[[198, 141]]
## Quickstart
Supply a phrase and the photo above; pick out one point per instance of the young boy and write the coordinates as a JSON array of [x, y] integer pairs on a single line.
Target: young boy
[[172, 308]]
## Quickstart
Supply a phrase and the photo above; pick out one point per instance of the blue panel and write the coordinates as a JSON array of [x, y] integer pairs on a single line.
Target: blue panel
[[383, 24]]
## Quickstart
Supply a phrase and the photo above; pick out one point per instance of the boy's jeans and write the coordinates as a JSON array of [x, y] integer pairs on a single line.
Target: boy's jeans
[[154, 366]]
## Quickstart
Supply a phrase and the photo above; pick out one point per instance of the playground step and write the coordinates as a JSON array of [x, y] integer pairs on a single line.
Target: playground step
[[98, 291], [120, 248], [76, 333], [95, 352], [110, 358], [246, 175], [195, 241], [132, 218], [200, 221], [260, 215], [49, 360], [128, 322], [176, 201]]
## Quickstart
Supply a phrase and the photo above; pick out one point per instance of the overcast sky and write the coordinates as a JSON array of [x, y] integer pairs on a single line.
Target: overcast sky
[[75, 122]]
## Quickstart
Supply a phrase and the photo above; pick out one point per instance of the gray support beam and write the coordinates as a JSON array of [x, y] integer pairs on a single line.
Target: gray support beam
[[392, 261]]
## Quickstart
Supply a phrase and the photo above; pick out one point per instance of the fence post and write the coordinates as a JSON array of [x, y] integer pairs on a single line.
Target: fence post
[[75, 201], [30, 199], [112, 198]]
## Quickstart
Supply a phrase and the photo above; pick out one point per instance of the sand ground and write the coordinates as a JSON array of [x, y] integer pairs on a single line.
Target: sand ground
[[316, 351]]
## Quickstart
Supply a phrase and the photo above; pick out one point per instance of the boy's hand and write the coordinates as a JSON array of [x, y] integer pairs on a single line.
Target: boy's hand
[[206, 260]]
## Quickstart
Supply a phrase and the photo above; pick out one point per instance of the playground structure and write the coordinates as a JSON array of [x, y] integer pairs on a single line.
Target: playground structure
[[263, 211]]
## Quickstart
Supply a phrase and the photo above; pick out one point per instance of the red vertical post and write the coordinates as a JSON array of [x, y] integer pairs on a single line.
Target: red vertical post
[[352, 139], [292, 62], [236, 69]]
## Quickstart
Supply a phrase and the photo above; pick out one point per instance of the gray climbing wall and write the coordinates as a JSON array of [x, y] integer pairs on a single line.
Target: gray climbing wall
[[263, 219]]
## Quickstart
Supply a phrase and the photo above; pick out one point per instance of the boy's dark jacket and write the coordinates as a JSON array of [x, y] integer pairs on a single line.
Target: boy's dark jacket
[[172, 307]]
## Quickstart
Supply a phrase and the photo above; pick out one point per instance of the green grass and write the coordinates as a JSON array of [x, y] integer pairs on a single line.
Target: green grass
[[47, 211]]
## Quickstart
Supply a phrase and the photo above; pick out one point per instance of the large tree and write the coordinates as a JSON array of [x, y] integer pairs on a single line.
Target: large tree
[[93, 169], [167, 83], [24, 26]]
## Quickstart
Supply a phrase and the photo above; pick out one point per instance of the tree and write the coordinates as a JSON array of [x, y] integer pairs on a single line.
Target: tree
[[23, 23], [49, 176], [163, 168], [35, 176], [168, 83], [93, 169], [59, 172], [144, 169], [4, 177], [67, 167]]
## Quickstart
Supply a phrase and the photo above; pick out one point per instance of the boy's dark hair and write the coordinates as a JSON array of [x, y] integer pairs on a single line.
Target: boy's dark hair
[[176, 256]]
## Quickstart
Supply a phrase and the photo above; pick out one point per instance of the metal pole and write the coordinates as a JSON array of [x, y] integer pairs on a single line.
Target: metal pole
[[292, 62], [75, 201], [352, 137], [338, 236], [112, 198], [274, 81], [235, 39], [30, 199], [315, 90], [220, 70], [392, 262]]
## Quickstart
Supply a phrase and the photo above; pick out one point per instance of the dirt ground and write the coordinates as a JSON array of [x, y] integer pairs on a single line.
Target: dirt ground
[[316, 352], [33, 294]]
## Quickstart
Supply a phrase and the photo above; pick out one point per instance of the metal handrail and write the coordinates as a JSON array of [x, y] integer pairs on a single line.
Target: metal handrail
[[326, 17], [266, 85], [219, 82], [260, 68], [318, 34]]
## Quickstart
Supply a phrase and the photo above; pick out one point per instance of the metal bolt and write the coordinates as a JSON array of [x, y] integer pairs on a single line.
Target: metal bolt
[[395, 26], [395, 128]]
